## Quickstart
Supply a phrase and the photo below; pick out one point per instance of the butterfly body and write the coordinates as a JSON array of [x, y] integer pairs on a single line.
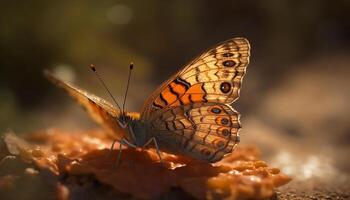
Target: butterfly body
[[136, 131], [190, 113]]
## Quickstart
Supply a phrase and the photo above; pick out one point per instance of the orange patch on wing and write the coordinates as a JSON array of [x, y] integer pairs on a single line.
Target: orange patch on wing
[[168, 96], [198, 97], [218, 120], [193, 94], [176, 103], [175, 90], [197, 88], [186, 99], [178, 88]]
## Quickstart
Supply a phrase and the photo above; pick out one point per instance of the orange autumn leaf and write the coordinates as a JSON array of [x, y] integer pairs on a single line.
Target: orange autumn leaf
[[140, 174]]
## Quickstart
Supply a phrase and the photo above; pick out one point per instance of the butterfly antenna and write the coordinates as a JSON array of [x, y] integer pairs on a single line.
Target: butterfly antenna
[[127, 87], [93, 68]]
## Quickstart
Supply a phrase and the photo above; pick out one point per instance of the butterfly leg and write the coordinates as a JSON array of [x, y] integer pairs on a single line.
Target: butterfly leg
[[153, 139], [112, 147], [126, 143], [121, 142], [119, 155]]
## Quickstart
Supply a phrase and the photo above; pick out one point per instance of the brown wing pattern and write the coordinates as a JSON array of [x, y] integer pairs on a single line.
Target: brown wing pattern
[[99, 109], [215, 76], [206, 131]]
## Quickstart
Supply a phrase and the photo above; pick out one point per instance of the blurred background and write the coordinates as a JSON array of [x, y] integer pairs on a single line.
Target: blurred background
[[295, 97]]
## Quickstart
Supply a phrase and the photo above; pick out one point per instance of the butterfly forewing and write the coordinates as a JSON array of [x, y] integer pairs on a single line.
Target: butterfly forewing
[[214, 76], [99, 109]]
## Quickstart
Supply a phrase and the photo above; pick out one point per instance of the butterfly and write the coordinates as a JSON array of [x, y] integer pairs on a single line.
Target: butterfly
[[189, 114]]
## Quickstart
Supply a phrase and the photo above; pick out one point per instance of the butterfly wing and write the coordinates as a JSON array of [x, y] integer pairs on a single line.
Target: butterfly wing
[[190, 112], [99, 109], [214, 76], [206, 131]]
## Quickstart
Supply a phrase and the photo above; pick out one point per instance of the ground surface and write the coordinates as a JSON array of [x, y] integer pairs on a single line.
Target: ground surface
[[314, 189]]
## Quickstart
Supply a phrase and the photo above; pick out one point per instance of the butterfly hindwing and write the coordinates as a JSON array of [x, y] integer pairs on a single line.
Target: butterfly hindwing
[[206, 131], [99, 109]]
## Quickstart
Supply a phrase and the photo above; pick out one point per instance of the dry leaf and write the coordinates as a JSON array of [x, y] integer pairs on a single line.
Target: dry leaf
[[140, 174]]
